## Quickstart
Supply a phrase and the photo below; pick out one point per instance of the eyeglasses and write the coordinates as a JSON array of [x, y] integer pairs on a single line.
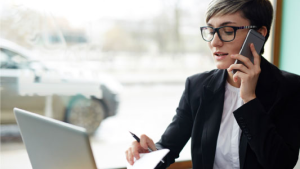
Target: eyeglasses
[[225, 33]]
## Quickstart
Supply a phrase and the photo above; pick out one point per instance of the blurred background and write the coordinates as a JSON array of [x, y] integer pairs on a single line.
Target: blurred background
[[109, 66]]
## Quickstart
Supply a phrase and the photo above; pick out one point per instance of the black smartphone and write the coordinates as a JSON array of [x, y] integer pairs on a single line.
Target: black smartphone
[[252, 37]]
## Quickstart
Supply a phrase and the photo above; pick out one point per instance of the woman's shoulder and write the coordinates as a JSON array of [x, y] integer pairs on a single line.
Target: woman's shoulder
[[203, 75], [206, 77], [284, 78], [290, 80], [290, 77]]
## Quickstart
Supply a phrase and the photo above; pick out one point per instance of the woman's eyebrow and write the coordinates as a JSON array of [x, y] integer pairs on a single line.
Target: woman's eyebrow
[[222, 24], [226, 23]]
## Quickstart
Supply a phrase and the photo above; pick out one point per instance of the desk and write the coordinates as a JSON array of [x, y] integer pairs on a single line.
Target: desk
[[187, 164]]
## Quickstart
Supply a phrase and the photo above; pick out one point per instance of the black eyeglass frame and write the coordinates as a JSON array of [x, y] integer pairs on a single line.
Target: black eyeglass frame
[[235, 28]]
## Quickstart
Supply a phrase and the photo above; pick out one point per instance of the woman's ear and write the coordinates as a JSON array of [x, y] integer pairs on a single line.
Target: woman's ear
[[263, 30]]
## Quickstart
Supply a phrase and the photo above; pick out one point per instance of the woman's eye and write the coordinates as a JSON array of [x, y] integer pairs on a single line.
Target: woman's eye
[[229, 33]]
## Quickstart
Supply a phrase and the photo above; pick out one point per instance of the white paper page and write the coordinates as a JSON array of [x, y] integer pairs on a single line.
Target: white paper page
[[148, 160]]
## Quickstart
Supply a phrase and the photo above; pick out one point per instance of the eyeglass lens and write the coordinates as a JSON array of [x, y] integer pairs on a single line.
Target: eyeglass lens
[[225, 33]]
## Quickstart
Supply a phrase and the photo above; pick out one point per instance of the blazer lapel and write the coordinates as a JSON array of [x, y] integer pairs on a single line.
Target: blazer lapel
[[213, 99]]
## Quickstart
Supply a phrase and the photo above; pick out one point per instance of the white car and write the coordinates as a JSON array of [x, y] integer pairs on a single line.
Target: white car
[[30, 85]]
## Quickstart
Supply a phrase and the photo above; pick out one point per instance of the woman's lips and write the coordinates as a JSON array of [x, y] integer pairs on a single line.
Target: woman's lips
[[220, 55]]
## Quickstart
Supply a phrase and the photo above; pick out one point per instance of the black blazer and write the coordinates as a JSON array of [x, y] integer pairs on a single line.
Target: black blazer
[[270, 123]]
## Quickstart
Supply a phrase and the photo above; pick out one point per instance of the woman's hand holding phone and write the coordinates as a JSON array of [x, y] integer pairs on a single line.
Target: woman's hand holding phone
[[248, 74]]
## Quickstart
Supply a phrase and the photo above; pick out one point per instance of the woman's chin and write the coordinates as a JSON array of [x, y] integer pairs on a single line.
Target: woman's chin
[[222, 66]]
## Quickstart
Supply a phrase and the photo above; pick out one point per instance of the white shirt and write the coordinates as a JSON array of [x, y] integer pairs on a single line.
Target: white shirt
[[227, 150]]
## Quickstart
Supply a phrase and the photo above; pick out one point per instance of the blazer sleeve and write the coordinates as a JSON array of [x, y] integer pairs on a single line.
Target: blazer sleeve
[[179, 130], [273, 136]]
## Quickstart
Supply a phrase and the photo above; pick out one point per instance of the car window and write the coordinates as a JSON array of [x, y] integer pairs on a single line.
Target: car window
[[12, 60]]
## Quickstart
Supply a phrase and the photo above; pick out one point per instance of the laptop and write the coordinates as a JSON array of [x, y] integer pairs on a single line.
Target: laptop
[[54, 144]]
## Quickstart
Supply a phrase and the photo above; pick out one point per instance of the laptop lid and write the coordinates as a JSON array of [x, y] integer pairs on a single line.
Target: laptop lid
[[54, 144]]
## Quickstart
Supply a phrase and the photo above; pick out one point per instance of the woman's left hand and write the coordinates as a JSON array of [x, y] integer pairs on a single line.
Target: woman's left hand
[[247, 74]]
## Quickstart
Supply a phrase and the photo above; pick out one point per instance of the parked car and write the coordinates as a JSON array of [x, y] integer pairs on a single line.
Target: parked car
[[29, 84]]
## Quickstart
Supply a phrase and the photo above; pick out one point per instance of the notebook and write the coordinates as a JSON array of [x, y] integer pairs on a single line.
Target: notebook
[[54, 144]]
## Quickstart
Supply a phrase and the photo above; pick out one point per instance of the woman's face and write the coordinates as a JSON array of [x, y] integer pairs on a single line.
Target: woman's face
[[221, 51]]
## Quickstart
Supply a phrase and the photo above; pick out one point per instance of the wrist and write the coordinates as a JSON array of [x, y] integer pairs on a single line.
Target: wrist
[[248, 99]]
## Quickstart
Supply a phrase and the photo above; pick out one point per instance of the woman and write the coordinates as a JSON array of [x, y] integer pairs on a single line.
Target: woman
[[246, 120]]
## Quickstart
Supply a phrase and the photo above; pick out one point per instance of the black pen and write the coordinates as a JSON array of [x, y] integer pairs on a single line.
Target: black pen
[[138, 140]]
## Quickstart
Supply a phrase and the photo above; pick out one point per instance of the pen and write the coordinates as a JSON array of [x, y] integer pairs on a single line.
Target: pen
[[138, 140]]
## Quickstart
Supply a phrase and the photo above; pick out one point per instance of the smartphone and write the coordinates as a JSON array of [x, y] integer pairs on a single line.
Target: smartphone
[[252, 37]]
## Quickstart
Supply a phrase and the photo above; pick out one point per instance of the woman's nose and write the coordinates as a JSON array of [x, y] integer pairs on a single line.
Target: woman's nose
[[216, 41]]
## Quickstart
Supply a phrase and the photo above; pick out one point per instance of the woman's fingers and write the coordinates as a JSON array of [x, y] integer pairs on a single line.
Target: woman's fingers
[[129, 156], [240, 75], [133, 152], [239, 67], [249, 68], [255, 55], [139, 147], [147, 142], [247, 62]]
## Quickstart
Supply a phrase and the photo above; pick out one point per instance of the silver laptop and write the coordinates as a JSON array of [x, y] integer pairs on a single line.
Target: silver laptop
[[54, 144]]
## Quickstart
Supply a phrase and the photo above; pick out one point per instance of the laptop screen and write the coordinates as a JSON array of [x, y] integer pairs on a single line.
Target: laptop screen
[[54, 144]]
